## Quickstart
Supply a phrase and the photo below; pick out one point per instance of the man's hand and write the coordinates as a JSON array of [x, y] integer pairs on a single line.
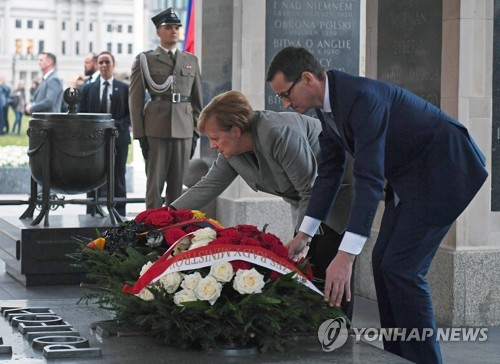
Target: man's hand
[[338, 278], [143, 142], [298, 246]]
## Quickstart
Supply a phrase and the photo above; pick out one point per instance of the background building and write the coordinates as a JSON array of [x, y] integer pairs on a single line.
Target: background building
[[70, 29]]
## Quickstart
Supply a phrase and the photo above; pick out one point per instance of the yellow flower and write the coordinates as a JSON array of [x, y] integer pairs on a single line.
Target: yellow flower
[[215, 222], [98, 243], [198, 214]]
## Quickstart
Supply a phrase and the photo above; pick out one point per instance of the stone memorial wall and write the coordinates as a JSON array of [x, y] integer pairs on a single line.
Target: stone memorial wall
[[217, 55], [409, 45], [328, 29]]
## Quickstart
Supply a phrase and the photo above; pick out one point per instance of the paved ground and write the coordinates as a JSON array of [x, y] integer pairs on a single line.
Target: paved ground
[[365, 311]]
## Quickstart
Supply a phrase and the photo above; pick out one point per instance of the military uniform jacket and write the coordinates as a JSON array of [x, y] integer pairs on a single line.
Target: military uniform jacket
[[160, 117]]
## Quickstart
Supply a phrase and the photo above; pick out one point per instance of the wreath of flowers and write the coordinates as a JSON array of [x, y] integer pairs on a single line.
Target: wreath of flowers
[[184, 278]]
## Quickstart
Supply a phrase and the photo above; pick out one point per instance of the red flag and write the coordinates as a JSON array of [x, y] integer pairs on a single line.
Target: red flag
[[189, 38]]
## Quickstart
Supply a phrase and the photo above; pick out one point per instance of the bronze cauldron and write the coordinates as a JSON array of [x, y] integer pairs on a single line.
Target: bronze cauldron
[[76, 145], [71, 153]]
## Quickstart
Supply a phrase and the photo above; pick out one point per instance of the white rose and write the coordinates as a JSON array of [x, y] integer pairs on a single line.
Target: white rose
[[186, 295], [146, 294], [222, 271], [202, 237], [248, 281], [208, 289], [190, 281], [145, 267], [171, 281]]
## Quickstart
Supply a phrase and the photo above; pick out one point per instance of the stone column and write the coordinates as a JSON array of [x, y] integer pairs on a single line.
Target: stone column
[[8, 42], [138, 27], [464, 275], [86, 34], [70, 47]]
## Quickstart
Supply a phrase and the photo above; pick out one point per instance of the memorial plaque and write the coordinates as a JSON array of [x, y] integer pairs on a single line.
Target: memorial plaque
[[217, 55], [327, 29], [495, 146], [409, 46]]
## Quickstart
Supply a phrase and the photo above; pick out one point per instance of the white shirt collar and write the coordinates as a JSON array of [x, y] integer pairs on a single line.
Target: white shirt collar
[[94, 76], [174, 51], [45, 76], [110, 81], [327, 107]]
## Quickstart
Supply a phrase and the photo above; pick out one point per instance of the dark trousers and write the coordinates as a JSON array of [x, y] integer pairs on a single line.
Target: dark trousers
[[322, 250], [401, 258], [17, 123], [120, 185], [6, 119], [2, 118]]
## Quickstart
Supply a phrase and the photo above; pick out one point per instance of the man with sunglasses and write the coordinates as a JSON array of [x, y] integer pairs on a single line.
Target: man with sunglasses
[[428, 162]]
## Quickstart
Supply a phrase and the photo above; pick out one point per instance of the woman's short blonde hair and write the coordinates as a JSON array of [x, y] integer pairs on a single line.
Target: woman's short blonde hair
[[230, 109]]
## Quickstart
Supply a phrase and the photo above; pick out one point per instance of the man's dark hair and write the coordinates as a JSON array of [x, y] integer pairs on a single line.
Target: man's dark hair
[[107, 53], [292, 61], [51, 56]]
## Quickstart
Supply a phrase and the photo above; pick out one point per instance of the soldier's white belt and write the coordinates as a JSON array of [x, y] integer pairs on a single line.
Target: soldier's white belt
[[174, 97]]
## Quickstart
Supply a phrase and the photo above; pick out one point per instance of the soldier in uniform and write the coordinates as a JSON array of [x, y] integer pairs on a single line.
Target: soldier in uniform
[[165, 124]]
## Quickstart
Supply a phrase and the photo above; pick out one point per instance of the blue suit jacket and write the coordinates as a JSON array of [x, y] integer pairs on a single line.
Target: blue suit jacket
[[427, 157], [90, 102]]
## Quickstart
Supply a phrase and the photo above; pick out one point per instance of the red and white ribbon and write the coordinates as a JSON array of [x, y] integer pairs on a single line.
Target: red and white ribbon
[[208, 255]]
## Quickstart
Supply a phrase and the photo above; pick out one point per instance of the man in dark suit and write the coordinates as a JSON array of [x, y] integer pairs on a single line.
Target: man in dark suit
[[432, 170], [91, 68], [108, 95]]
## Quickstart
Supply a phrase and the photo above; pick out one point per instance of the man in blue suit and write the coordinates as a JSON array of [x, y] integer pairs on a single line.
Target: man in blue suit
[[427, 161], [108, 95], [49, 94]]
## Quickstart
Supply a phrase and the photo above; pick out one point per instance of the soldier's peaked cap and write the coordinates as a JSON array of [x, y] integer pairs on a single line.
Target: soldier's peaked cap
[[166, 17]]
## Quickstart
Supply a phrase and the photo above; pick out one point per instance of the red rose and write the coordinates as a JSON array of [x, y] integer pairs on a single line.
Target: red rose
[[182, 215], [280, 250], [240, 264], [275, 275], [250, 241], [159, 218], [172, 235], [142, 216], [305, 268], [222, 241], [191, 228], [248, 230], [230, 233], [270, 240]]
